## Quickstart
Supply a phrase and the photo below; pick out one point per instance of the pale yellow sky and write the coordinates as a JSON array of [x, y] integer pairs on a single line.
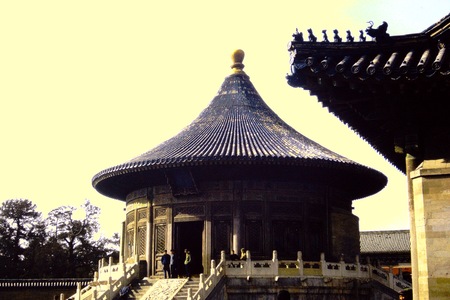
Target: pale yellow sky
[[86, 85]]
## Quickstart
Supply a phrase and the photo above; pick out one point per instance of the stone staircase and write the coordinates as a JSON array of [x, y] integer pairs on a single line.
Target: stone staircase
[[139, 288], [191, 284]]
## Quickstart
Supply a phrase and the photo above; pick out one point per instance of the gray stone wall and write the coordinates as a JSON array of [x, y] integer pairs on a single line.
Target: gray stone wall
[[431, 188]]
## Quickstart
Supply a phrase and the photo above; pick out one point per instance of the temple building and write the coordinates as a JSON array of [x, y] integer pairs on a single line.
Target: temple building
[[388, 249], [239, 177], [394, 91]]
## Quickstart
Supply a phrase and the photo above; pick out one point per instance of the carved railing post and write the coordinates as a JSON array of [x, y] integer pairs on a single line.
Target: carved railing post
[[248, 264], [358, 266], [62, 296], [300, 263], [222, 255], [110, 261], [342, 264], [213, 271], [323, 263], [189, 294], [275, 262], [201, 285], [78, 294]]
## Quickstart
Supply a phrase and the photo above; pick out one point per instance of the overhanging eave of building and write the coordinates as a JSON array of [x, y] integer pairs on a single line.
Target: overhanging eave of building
[[394, 93]]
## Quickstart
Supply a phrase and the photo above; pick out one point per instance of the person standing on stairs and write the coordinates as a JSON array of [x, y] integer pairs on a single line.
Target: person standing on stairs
[[165, 261], [187, 263]]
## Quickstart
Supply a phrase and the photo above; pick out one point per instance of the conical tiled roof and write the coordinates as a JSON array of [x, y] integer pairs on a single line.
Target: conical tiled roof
[[236, 128]]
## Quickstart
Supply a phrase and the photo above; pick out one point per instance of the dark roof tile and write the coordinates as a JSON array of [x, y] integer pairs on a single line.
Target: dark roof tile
[[237, 127]]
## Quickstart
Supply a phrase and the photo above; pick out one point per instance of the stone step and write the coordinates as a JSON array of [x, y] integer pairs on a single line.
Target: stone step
[[139, 288], [192, 284]]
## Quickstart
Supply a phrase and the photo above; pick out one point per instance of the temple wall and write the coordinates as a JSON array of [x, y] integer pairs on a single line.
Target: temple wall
[[431, 187], [260, 216], [344, 234]]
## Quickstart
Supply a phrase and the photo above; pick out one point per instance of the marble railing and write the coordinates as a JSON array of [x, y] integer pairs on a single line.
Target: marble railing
[[207, 285], [44, 283], [294, 268], [107, 282]]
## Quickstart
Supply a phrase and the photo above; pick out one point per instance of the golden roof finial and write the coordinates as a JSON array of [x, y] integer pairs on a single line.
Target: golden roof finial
[[238, 57]]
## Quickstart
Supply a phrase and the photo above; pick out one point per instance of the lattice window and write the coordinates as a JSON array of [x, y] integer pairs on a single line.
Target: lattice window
[[197, 210], [130, 217], [221, 237], [142, 214], [221, 209], [160, 212], [315, 238], [286, 208], [316, 210], [286, 238], [254, 236], [142, 240], [160, 234], [252, 208], [130, 242]]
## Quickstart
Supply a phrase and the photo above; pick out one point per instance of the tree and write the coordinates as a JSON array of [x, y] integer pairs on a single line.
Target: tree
[[75, 235], [19, 224], [43, 255], [61, 246]]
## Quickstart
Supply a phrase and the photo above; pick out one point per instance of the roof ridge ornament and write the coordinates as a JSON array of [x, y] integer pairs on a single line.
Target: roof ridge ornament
[[238, 57], [380, 33]]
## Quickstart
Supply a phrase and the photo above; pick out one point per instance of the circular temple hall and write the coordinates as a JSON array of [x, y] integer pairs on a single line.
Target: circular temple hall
[[238, 177]]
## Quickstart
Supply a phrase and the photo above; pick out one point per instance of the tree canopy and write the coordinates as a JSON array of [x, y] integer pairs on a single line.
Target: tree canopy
[[59, 246]]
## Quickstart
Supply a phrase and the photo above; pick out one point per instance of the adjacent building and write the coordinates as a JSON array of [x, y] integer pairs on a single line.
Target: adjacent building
[[394, 91], [388, 249]]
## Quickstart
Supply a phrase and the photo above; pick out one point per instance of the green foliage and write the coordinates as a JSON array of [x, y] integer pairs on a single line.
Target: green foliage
[[60, 246], [19, 226]]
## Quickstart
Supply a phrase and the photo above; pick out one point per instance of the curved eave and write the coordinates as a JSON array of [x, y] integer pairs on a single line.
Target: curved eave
[[356, 180], [362, 83], [237, 129]]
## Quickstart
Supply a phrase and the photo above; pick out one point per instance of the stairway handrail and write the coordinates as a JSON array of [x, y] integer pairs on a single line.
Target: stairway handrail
[[107, 288], [206, 286]]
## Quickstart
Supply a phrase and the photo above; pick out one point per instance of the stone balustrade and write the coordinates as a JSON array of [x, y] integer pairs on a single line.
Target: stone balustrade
[[275, 269], [44, 283], [111, 277], [108, 280]]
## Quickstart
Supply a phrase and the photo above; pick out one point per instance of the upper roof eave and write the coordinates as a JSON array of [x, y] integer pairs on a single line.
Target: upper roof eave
[[429, 35], [117, 182], [403, 41]]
